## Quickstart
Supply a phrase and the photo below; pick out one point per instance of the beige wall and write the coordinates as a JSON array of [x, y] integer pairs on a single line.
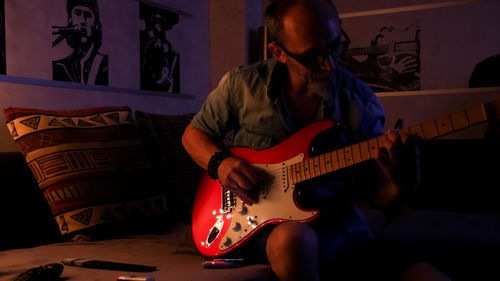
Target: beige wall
[[231, 22], [227, 37]]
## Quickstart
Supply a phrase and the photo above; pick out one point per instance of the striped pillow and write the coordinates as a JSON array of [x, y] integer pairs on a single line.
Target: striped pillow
[[90, 165]]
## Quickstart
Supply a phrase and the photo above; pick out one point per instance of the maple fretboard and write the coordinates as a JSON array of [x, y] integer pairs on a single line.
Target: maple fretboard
[[359, 152]]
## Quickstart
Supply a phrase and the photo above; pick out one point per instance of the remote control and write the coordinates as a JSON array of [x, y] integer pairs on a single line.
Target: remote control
[[48, 272]]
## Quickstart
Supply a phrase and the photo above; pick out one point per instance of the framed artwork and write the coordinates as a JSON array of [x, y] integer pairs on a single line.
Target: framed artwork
[[422, 47], [82, 32], [2, 39], [130, 46], [159, 57], [388, 59]]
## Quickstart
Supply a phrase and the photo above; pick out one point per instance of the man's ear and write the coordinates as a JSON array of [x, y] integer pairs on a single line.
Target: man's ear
[[277, 52]]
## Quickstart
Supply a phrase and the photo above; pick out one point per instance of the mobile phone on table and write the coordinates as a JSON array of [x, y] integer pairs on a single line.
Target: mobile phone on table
[[223, 263]]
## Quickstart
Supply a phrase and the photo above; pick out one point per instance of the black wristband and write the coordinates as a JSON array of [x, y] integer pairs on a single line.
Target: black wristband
[[214, 163]]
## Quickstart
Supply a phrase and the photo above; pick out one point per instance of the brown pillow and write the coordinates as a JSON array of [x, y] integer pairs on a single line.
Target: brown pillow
[[90, 165]]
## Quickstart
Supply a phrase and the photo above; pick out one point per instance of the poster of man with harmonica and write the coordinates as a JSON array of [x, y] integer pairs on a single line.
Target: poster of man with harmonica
[[83, 33]]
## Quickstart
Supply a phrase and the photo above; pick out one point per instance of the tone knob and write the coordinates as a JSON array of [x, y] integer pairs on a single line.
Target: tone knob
[[242, 209], [226, 241], [236, 226]]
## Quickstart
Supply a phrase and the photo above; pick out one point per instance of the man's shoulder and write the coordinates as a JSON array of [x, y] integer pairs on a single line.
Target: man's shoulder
[[261, 69]]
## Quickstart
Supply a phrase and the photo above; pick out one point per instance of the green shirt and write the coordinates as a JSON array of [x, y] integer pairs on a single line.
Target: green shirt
[[249, 101]]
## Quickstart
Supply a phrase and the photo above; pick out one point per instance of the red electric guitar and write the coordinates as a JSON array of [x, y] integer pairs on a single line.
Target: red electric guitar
[[222, 222]]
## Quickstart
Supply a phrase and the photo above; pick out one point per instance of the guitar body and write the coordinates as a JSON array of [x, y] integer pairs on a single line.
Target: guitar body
[[221, 221]]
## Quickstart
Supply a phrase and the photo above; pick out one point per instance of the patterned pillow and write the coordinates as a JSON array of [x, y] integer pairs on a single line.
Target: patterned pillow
[[90, 165]]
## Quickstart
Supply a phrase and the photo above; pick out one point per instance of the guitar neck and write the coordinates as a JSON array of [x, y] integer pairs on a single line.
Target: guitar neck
[[366, 150]]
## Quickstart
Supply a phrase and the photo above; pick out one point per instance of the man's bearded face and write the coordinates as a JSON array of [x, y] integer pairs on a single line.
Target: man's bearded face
[[320, 82]]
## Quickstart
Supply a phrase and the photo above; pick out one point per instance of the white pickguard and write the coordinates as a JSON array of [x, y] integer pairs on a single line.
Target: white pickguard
[[276, 201]]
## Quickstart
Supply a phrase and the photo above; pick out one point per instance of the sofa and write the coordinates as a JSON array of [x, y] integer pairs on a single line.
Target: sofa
[[452, 221]]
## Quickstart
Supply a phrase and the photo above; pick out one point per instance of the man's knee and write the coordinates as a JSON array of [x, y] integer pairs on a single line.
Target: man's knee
[[292, 237]]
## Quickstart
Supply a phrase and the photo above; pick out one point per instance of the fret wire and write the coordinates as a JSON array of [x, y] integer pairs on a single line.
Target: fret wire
[[476, 110], [432, 133], [443, 125], [417, 130], [458, 120], [356, 152], [310, 163], [322, 167], [302, 171], [451, 122], [307, 169], [362, 151], [318, 165], [467, 118], [294, 174], [329, 167], [304, 166], [366, 147], [317, 168], [316, 171], [341, 155], [436, 126], [424, 136], [294, 171], [335, 160], [373, 146], [381, 141], [348, 156]]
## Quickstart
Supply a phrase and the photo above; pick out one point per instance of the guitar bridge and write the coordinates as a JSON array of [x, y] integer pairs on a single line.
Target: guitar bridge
[[228, 200]]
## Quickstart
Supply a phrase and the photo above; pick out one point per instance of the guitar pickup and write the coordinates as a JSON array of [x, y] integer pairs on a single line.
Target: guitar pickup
[[228, 200]]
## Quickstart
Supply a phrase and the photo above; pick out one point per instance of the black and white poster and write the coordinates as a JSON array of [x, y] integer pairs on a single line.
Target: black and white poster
[[83, 34], [388, 59], [160, 66], [2, 39]]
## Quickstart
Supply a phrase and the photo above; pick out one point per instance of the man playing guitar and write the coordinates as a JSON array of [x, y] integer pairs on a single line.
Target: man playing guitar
[[266, 103]]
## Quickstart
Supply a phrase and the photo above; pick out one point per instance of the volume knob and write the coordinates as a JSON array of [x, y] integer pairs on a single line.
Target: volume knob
[[226, 241], [242, 209], [236, 226]]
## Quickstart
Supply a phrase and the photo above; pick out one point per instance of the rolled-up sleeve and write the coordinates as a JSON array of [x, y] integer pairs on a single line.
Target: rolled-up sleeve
[[216, 116]]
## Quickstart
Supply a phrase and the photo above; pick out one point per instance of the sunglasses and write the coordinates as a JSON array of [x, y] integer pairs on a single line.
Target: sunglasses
[[315, 58]]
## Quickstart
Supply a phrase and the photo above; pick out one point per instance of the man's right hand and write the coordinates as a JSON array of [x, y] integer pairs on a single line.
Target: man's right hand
[[239, 177]]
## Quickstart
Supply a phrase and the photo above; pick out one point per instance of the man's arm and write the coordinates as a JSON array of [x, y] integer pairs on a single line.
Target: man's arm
[[234, 173]]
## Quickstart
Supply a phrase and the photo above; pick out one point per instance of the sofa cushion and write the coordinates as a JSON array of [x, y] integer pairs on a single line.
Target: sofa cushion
[[90, 166], [167, 133], [171, 253], [22, 206]]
